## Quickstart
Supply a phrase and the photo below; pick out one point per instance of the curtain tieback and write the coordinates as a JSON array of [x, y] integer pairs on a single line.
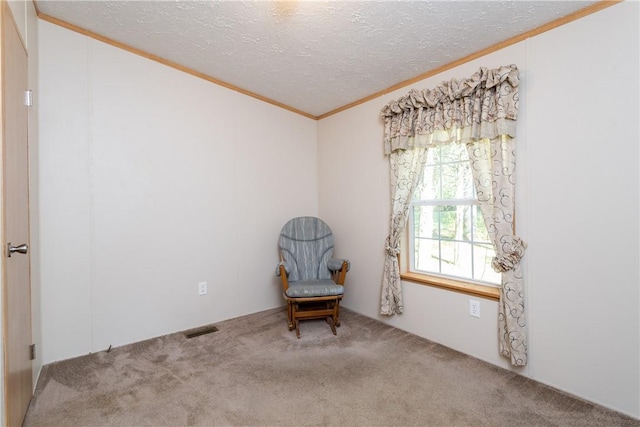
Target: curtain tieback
[[393, 250], [509, 259]]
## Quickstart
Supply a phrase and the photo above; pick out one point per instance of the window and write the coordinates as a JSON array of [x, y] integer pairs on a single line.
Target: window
[[446, 232]]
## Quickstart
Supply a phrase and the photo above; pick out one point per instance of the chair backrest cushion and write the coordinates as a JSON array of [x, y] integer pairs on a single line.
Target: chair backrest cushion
[[306, 244]]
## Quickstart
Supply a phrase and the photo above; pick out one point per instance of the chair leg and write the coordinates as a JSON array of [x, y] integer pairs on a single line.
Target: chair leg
[[336, 313], [290, 315], [298, 328], [333, 327]]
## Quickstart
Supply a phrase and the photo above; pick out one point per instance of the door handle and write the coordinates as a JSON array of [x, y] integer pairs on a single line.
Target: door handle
[[21, 249]]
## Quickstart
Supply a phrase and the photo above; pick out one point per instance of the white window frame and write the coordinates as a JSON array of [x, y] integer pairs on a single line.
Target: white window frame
[[462, 284], [412, 239]]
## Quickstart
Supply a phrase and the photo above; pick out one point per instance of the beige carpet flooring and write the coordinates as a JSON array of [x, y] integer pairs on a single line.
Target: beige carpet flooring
[[254, 372]]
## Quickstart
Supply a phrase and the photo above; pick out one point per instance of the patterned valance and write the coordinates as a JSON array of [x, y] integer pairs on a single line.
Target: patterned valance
[[482, 106]]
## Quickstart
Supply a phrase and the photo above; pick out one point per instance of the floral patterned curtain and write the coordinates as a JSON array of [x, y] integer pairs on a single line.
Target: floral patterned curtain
[[481, 112], [493, 164], [406, 168]]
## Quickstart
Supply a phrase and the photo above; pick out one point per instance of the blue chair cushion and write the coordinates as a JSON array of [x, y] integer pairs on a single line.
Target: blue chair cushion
[[306, 244], [313, 288]]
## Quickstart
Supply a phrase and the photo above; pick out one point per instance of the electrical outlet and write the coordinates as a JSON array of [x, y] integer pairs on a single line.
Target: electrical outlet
[[474, 308], [202, 288]]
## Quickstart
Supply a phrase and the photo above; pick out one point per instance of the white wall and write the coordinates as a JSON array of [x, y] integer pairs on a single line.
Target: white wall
[[578, 190], [584, 279], [153, 180]]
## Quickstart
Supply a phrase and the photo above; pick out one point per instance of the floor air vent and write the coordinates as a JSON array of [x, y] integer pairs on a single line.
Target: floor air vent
[[192, 333]]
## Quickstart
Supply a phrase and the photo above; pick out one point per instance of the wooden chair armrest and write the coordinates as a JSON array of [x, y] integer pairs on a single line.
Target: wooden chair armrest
[[340, 275], [284, 278]]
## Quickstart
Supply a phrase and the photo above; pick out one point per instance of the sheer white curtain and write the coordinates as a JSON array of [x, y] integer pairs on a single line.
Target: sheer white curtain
[[481, 112]]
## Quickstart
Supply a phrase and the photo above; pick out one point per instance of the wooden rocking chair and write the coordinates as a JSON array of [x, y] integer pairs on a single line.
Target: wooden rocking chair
[[312, 281]]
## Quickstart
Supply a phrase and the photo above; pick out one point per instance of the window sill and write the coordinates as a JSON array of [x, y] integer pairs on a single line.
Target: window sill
[[454, 285]]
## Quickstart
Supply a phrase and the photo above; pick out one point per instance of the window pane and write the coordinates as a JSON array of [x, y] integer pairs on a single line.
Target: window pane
[[424, 222], [449, 181], [456, 258], [427, 256], [455, 222], [482, 255], [456, 254], [434, 156], [431, 184], [457, 182], [453, 153]]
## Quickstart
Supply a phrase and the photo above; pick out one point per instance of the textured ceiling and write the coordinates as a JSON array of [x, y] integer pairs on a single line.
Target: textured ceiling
[[314, 56]]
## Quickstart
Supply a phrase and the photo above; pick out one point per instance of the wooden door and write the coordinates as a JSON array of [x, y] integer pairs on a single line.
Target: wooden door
[[16, 294]]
